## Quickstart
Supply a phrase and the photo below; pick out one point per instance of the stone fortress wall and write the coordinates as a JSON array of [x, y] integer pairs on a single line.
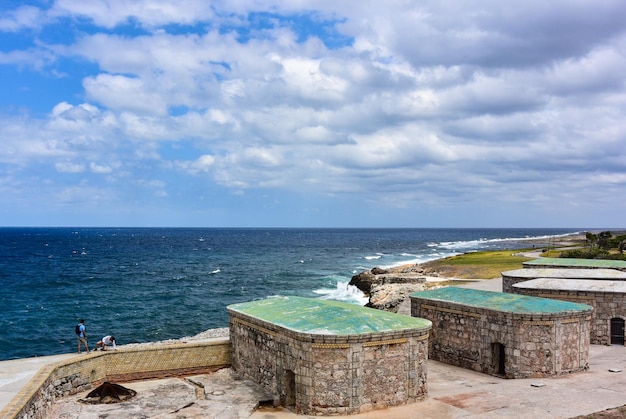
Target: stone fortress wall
[[82, 372], [317, 369]]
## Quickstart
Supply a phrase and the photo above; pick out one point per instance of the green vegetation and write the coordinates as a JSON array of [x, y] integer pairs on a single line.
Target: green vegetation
[[484, 265], [599, 246]]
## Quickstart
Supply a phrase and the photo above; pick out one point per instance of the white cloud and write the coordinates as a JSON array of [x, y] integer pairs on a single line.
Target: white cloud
[[23, 17], [416, 103], [99, 169], [69, 167]]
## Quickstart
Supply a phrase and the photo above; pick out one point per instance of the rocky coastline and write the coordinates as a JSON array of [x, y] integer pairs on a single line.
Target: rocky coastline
[[389, 289]]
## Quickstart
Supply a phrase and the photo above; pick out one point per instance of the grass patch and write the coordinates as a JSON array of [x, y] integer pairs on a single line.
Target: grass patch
[[483, 265]]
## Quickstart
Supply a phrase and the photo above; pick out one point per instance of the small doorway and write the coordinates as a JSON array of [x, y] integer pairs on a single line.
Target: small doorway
[[617, 331], [499, 359], [290, 389]]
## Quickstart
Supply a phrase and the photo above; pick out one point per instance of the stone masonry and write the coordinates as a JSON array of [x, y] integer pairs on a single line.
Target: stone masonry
[[608, 298], [503, 334], [329, 358]]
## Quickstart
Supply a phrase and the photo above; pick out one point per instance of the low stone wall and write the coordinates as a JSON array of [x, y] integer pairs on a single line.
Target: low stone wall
[[81, 373]]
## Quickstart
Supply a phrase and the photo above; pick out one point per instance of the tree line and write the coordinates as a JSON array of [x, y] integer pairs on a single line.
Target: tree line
[[603, 245]]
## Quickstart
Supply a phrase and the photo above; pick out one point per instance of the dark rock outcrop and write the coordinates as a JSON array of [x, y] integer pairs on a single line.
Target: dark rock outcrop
[[363, 281]]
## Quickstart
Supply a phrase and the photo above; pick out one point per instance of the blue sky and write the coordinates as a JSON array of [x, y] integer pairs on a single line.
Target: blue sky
[[313, 113]]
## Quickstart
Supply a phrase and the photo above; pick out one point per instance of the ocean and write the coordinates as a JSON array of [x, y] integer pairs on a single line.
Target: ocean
[[149, 284]]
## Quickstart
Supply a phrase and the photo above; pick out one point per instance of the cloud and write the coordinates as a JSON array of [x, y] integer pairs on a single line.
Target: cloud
[[24, 17], [405, 105]]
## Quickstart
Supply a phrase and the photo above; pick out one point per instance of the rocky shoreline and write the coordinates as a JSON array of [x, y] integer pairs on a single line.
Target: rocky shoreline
[[389, 289]]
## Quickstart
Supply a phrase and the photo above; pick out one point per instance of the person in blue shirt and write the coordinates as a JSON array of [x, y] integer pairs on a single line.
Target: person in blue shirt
[[82, 335]]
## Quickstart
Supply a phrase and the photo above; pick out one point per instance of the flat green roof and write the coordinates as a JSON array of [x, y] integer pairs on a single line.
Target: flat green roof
[[500, 301], [326, 317], [577, 263], [568, 273]]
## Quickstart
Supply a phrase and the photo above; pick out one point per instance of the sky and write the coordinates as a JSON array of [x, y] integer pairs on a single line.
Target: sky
[[351, 113]]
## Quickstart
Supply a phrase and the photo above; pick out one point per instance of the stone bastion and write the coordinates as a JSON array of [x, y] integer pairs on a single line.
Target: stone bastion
[[507, 335], [323, 357]]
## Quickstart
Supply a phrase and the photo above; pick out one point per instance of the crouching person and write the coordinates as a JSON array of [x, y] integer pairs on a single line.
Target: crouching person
[[106, 342]]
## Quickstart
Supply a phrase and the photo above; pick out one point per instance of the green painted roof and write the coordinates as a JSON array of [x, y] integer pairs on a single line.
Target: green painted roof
[[577, 263], [326, 317], [500, 301]]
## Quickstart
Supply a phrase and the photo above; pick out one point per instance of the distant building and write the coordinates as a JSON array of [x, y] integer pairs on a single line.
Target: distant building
[[575, 263], [325, 357], [510, 278]]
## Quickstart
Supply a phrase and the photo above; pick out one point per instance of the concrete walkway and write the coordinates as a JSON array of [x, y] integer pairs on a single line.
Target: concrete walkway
[[15, 374]]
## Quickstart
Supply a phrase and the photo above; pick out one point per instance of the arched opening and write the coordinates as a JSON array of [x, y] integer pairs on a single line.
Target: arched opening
[[617, 331], [499, 359]]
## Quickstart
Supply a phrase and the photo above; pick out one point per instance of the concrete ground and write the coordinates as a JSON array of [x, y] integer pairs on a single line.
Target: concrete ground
[[452, 393], [15, 374]]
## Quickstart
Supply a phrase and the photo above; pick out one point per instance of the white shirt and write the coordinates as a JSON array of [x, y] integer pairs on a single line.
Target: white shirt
[[108, 341]]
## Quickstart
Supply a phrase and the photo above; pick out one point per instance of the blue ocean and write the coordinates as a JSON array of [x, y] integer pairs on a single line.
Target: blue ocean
[[149, 284]]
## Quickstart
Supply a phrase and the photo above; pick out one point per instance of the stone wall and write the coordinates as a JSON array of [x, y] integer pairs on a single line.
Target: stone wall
[[331, 375], [503, 343], [81, 373], [606, 306]]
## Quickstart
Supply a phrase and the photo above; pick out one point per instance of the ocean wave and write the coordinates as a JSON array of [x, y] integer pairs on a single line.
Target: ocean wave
[[484, 242], [343, 292]]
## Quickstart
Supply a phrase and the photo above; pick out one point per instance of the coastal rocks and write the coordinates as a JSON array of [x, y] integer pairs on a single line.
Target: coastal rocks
[[363, 281], [389, 288], [390, 297]]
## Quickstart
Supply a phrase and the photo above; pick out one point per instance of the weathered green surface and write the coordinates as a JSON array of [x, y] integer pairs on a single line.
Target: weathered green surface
[[578, 263], [326, 317], [499, 301]]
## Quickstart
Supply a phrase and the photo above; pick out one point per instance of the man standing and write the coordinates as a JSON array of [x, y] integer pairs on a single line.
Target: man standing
[[82, 334]]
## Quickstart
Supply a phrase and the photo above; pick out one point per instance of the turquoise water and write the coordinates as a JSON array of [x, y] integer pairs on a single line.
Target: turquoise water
[[148, 284]]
